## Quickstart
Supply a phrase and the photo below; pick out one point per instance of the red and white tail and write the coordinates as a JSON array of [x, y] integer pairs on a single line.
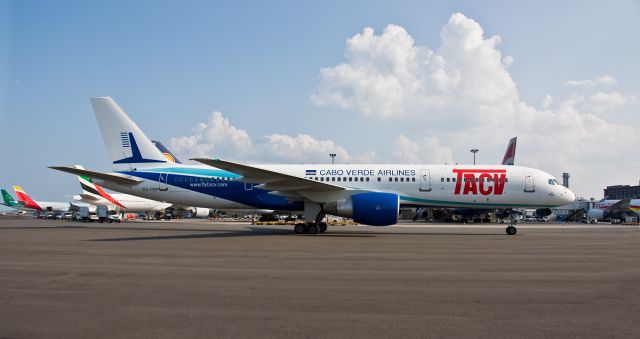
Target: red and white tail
[[510, 154], [25, 199]]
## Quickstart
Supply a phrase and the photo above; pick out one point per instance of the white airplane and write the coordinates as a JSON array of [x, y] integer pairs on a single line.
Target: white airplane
[[371, 194], [10, 202], [46, 206], [94, 194], [610, 208]]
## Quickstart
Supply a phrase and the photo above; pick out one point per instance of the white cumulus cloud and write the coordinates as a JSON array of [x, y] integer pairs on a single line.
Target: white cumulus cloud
[[218, 138], [605, 80], [461, 94], [426, 150], [303, 149]]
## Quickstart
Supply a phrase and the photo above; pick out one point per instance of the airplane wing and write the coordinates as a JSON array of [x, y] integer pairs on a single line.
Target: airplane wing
[[271, 180], [117, 178], [620, 206], [88, 197]]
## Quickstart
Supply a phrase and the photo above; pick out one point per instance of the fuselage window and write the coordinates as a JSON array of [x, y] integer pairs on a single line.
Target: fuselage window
[[395, 179], [350, 178], [390, 179], [379, 179], [333, 178], [448, 179], [453, 179], [367, 178], [413, 179], [338, 178], [402, 179], [441, 179]]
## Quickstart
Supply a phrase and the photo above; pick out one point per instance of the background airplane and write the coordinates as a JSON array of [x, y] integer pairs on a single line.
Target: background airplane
[[52, 206], [371, 194], [613, 209], [93, 193], [10, 202]]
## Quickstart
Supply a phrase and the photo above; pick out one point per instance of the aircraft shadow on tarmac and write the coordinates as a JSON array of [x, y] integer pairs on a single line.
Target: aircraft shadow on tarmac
[[245, 232]]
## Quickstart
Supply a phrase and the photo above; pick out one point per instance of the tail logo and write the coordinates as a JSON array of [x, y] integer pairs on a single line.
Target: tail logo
[[129, 141]]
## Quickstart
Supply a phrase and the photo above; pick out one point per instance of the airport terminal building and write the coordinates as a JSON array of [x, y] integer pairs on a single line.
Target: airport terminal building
[[622, 192]]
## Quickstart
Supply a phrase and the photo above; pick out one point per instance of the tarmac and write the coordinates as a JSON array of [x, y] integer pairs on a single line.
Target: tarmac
[[61, 279]]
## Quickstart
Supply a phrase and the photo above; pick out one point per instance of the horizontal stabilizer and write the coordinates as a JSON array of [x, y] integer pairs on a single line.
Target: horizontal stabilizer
[[113, 177]]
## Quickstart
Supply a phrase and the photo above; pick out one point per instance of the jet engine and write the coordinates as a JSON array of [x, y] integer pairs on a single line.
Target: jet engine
[[200, 212], [543, 212], [371, 208]]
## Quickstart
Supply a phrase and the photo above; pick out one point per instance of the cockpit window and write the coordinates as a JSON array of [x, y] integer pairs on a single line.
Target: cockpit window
[[553, 182]]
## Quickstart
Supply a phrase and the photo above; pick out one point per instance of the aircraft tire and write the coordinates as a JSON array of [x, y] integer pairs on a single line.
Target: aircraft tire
[[511, 230], [312, 229], [299, 228], [322, 227]]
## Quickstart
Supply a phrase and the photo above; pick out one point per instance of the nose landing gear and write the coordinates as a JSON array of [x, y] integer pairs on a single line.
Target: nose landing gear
[[511, 229]]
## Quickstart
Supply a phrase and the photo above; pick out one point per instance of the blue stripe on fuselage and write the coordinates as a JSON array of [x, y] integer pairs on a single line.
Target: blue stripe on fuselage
[[226, 189]]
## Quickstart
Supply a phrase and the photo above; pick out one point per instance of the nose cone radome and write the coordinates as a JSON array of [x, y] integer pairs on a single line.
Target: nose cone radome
[[567, 196]]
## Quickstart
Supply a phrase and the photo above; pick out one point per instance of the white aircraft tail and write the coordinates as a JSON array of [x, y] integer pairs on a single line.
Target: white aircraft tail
[[127, 145], [510, 155]]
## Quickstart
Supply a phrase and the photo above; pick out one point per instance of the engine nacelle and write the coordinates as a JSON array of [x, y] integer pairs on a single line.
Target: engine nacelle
[[200, 212], [595, 214], [371, 208], [543, 212]]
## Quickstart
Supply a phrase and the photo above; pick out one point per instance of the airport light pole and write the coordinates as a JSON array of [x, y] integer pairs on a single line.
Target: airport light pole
[[333, 158], [474, 151]]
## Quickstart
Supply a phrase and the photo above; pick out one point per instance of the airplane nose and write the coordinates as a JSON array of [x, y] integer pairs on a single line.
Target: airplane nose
[[568, 196]]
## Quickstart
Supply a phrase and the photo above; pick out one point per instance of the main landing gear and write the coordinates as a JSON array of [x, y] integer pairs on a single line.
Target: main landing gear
[[310, 228], [313, 214]]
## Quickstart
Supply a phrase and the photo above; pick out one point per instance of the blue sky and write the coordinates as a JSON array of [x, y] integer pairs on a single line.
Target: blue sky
[[169, 64]]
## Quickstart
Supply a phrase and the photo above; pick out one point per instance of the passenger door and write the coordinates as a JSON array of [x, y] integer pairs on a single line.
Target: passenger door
[[529, 183], [425, 180], [163, 182]]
